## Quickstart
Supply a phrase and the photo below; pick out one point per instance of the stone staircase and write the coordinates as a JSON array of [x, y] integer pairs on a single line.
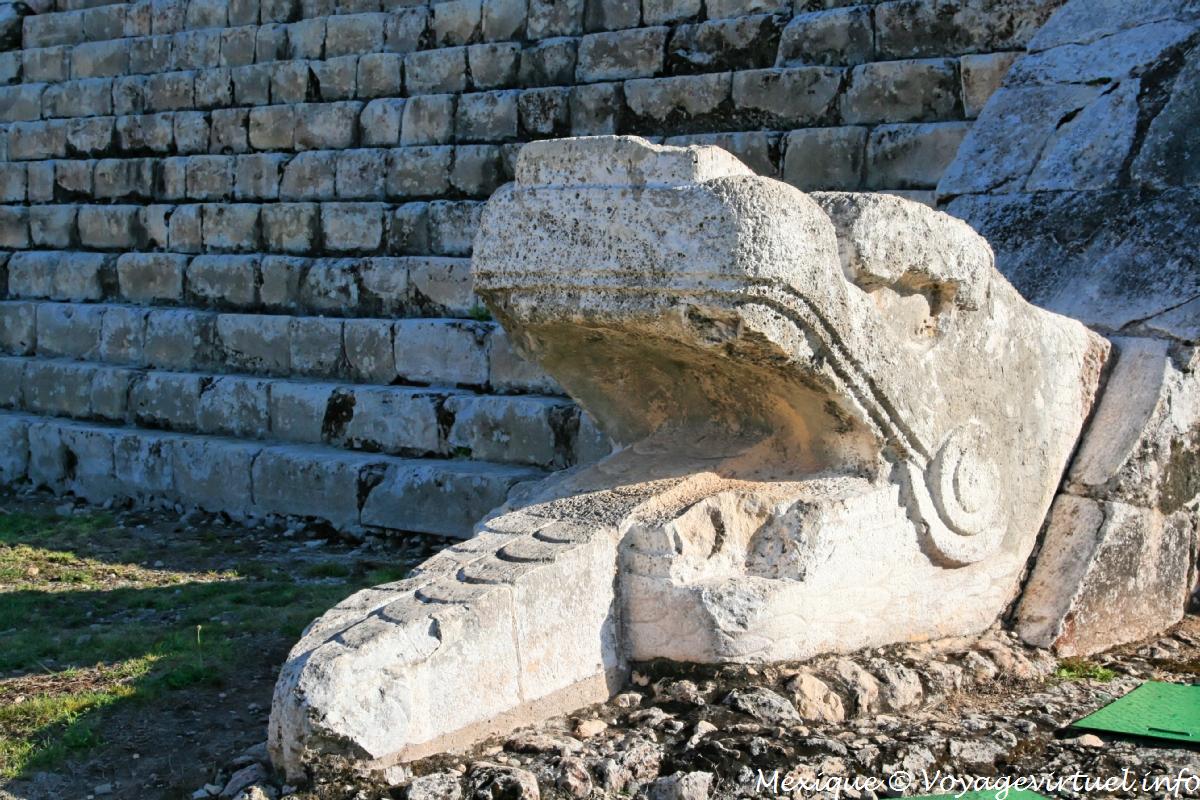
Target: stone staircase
[[236, 235]]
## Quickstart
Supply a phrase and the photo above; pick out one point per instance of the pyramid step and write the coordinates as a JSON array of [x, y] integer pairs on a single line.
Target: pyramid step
[[427, 352], [404, 286], [901, 29], [348, 490], [923, 90], [395, 420], [438, 227], [315, 26], [158, 162]]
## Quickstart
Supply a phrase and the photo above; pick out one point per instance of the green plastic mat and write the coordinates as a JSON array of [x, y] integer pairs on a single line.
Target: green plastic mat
[[1013, 794], [1156, 710]]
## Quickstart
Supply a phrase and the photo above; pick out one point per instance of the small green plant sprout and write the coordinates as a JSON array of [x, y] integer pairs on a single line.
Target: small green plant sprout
[[1080, 669]]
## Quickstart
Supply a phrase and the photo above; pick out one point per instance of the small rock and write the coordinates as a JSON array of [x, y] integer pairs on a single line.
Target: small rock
[[703, 728], [682, 786], [63, 510], [980, 669], [652, 717], [814, 699], [640, 757], [627, 700], [243, 779], [974, 755], [1087, 740], [574, 778], [861, 685], [587, 728], [764, 705], [102, 789], [1010, 662], [613, 777], [532, 742], [900, 687], [678, 692], [944, 679], [259, 792], [496, 782], [436, 786], [395, 775], [201, 794]]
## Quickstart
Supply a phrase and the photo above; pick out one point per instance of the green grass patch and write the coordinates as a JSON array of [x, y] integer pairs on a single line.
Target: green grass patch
[[328, 569], [1080, 669], [45, 718]]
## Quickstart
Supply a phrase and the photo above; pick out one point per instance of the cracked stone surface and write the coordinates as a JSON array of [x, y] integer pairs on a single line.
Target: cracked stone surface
[[1081, 173]]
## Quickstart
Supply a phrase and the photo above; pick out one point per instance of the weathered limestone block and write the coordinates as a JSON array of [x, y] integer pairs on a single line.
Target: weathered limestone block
[[835, 36], [179, 338], [901, 91], [294, 480], [12, 370], [522, 430], [740, 43], [494, 65], [149, 277], [298, 410], [255, 343], [755, 351], [88, 462], [621, 54], [142, 463], [14, 447], [442, 351], [1109, 573], [167, 400], [57, 388], [109, 393], [548, 63], [123, 335], [18, 327], [223, 281], [1147, 429], [315, 346], [1122, 539], [234, 406], [214, 474], [68, 330], [448, 498], [369, 350], [825, 158], [911, 156], [386, 419]]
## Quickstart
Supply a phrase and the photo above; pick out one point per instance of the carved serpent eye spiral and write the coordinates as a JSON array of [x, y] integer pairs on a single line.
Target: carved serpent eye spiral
[[960, 499], [965, 484]]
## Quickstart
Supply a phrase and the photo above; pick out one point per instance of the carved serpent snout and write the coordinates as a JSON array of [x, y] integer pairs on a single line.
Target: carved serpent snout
[[672, 289]]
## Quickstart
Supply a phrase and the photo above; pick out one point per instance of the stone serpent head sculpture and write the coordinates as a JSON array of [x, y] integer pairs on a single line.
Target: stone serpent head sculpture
[[839, 427]]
